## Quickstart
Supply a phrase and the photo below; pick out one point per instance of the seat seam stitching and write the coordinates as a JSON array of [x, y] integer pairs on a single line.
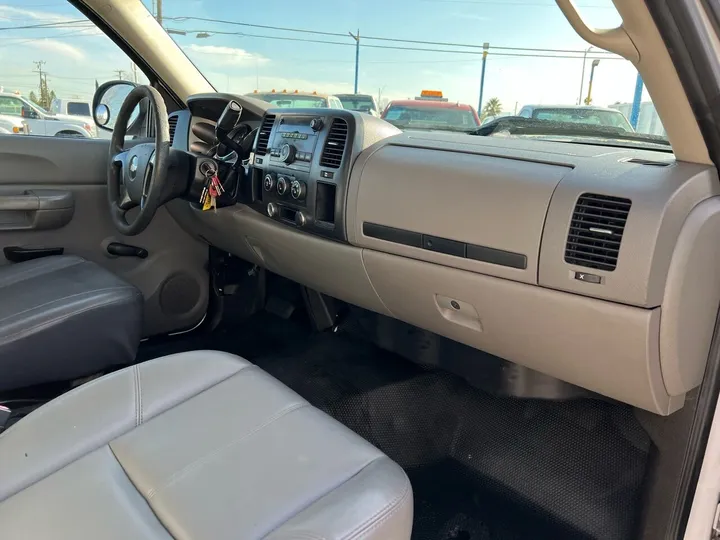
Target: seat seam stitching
[[106, 443], [60, 318], [326, 493], [8, 282], [207, 458], [129, 479], [380, 516], [84, 293]]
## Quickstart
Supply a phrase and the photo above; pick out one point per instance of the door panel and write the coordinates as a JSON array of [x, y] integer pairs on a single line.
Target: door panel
[[173, 278]]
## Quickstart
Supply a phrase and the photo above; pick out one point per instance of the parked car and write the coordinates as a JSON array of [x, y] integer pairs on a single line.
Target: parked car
[[11, 125], [298, 100], [72, 107], [42, 122], [580, 114], [431, 111], [489, 119], [359, 102]]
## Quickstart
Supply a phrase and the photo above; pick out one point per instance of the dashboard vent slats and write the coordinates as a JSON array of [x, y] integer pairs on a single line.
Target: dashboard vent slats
[[264, 134], [334, 149], [596, 231], [172, 123]]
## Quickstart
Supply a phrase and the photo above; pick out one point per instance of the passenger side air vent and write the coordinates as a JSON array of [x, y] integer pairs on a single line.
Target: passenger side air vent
[[335, 144], [172, 122], [596, 230], [264, 134]]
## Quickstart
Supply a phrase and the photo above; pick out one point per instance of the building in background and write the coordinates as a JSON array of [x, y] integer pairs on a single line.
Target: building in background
[[648, 120]]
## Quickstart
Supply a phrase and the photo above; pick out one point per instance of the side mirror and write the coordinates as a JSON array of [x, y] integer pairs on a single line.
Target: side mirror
[[27, 112], [107, 101]]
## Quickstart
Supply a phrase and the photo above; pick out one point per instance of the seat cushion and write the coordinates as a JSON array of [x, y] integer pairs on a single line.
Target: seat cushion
[[64, 317], [196, 445]]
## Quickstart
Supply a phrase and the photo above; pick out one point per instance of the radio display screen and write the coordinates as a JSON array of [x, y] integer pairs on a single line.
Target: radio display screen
[[295, 130]]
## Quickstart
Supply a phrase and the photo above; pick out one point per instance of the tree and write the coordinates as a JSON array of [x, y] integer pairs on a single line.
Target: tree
[[493, 107], [46, 96], [33, 97]]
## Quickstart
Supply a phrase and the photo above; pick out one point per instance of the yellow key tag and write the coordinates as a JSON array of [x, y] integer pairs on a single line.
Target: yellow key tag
[[208, 203]]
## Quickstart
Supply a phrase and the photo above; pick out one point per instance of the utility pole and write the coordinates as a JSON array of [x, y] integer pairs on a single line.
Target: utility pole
[[120, 73], [158, 14], [357, 56], [486, 47], [582, 76], [134, 72], [39, 64], [588, 99]]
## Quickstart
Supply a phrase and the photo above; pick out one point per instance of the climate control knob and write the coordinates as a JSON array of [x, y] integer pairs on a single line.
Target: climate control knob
[[297, 190], [268, 182], [272, 209], [316, 124], [282, 185], [287, 153], [300, 219]]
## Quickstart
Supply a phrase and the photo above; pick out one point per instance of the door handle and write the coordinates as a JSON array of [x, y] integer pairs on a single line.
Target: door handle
[[35, 209], [20, 203]]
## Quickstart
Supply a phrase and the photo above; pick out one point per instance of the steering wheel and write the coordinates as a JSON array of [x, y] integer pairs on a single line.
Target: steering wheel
[[137, 176]]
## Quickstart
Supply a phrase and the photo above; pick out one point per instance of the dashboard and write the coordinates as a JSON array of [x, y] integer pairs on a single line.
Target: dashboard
[[592, 264]]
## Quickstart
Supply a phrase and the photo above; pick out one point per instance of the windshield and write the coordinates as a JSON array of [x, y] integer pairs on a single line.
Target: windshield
[[357, 103], [430, 118], [291, 101], [497, 57], [584, 116]]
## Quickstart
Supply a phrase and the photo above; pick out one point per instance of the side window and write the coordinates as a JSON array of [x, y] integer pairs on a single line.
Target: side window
[[10, 106], [525, 112], [53, 60]]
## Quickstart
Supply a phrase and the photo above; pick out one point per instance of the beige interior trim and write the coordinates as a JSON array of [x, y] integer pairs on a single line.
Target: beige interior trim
[[643, 46], [691, 299], [131, 20], [611, 39]]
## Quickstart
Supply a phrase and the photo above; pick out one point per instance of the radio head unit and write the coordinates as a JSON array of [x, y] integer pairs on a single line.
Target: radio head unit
[[302, 161]]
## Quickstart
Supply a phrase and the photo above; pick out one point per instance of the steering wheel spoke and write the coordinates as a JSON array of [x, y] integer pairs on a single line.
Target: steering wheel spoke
[[120, 158], [125, 202]]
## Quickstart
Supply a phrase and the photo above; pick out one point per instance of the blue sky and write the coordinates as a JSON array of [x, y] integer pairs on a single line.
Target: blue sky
[[75, 55]]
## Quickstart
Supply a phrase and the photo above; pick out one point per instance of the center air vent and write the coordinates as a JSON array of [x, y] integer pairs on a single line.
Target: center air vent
[[596, 230], [334, 149], [172, 123], [264, 134]]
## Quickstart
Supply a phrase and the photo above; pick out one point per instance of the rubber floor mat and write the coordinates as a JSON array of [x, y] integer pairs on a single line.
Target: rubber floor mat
[[482, 467]]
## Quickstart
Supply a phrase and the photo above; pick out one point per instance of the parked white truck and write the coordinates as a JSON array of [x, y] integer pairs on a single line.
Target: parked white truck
[[10, 125], [42, 122]]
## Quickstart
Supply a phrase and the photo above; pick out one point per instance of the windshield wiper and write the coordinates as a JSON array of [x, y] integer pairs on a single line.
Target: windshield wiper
[[514, 125]]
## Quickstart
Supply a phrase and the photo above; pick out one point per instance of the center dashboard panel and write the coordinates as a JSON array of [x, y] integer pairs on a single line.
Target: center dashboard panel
[[300, 168]]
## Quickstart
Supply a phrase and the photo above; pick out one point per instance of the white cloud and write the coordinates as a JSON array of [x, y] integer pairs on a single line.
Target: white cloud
[[13, 13], [221, 55], [59, 47]]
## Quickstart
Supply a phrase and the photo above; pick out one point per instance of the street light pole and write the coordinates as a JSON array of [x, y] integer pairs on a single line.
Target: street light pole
[[486, 46], [588, 99], [357, 56], [582, 76]]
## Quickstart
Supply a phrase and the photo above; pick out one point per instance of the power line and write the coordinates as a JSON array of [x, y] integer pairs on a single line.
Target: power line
[[420, 49], [334, 34], [59, 24], [264, 26]]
